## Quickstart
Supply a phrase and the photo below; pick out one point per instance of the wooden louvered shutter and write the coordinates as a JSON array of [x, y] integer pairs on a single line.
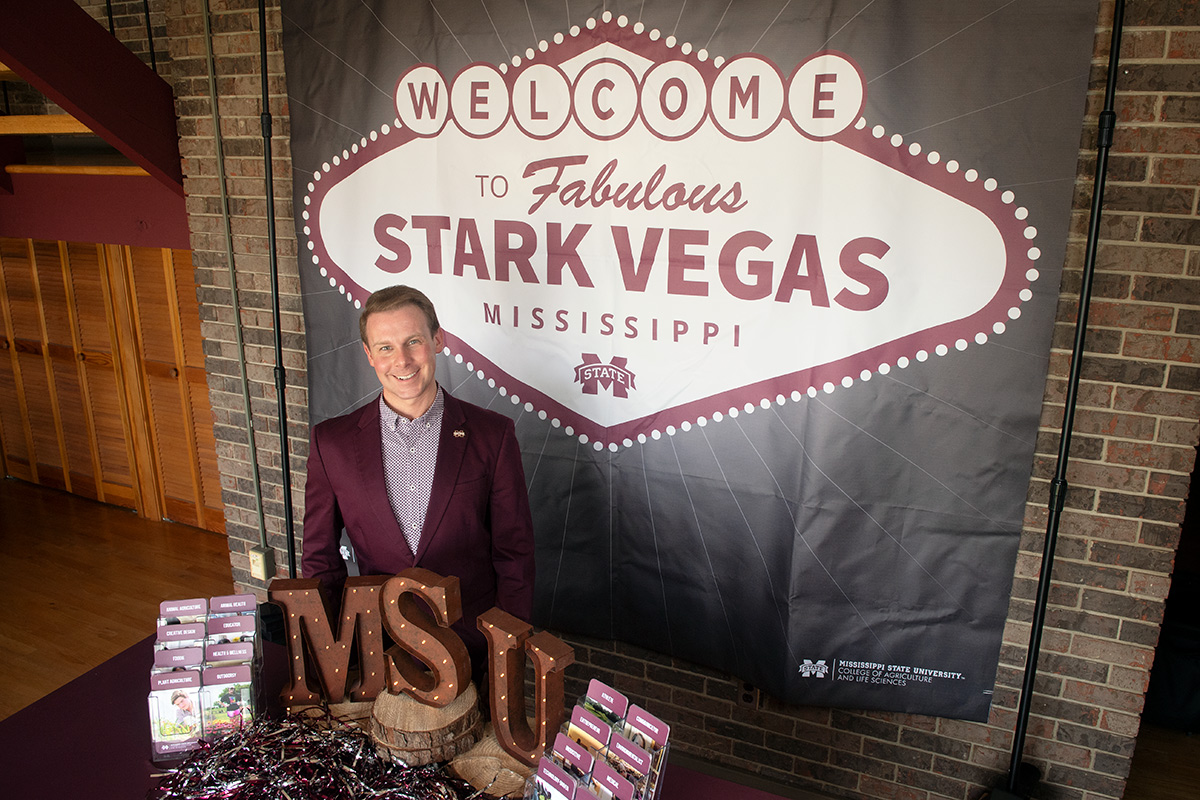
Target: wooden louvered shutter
[[102, 383], [175, 385], [103, 402]]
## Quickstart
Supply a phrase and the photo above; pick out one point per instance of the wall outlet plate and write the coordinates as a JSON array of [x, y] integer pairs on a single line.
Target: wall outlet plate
[[262, 563]]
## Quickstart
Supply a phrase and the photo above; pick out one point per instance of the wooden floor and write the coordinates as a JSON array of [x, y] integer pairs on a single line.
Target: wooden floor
[[1166, 766], [82, 581]]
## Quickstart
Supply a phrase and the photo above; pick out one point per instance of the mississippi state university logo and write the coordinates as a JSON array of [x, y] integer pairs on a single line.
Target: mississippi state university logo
[[734, 227], [814, 669], [612, 376]]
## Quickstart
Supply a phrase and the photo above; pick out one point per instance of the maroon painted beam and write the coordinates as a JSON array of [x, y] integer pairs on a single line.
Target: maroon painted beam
[[73, 60], [111, 209]]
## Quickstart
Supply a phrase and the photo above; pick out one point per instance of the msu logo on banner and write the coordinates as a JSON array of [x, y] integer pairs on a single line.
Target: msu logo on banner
[[612, 376]]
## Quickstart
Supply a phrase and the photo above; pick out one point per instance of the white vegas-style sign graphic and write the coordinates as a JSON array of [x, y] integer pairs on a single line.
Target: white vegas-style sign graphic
[[631, 237]]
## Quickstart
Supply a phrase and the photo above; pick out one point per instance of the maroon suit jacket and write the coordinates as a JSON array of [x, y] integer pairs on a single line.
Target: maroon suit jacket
[[478, 526]]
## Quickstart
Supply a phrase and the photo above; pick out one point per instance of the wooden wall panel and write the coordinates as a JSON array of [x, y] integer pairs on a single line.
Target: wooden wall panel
[[12, 422], [160, 334], [110, 439], [189, 309], [212, 507], [72, 431], [15, 436], [76, 434], [21, 298], [55, 311], [102, 385], [101, 389], [210, 473], [31, 365], [175, 455], [92, 321], [80, 427], [42, 422]]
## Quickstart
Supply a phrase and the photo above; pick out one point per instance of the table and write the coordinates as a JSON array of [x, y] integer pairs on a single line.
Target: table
[[91, 738]]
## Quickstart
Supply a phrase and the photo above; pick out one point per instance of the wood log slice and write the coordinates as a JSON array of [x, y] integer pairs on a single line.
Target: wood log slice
[[489, 769], [412, 733]]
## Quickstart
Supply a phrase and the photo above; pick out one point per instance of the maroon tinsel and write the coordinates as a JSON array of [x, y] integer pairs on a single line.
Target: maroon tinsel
[[303, 758]]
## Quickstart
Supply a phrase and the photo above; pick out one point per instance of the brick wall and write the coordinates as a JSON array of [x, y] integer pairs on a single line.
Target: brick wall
[[1133, 449], [237, 73], [18, 97], [129, 25]]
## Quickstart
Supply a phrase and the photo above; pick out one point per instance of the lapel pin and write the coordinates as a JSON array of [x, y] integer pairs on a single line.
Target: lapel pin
[[460, 434]]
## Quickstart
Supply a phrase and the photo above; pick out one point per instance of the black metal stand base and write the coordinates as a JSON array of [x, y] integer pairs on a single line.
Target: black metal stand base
[[1002, 794], [1028, 777]]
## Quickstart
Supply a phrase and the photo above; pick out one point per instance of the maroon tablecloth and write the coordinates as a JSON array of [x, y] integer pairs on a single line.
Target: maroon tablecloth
[[91, 739], [681, 783]]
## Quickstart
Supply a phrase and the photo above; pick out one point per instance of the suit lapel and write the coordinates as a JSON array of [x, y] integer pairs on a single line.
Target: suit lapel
[[369, 448], [451, 450]]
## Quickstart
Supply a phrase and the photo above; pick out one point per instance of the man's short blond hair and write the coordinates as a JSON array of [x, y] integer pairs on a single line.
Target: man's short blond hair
[[392, 298]]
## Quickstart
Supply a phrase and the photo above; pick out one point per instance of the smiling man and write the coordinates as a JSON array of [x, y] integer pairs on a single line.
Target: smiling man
[[419, 478]]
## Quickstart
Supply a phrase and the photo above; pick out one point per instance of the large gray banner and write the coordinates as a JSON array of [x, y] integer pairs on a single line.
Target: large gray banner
[[767, 287]]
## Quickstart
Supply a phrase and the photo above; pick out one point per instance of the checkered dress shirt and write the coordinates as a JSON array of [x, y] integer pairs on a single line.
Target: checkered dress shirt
[[410, 449]]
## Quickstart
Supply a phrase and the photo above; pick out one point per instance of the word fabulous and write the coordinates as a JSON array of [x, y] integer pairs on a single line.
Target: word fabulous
[[429, 662]]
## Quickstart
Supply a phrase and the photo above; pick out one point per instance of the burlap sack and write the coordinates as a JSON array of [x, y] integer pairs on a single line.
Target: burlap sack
[[489, 769]]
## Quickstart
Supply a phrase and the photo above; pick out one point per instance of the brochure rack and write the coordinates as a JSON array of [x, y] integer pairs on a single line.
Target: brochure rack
[[205, 678], [609, 750]]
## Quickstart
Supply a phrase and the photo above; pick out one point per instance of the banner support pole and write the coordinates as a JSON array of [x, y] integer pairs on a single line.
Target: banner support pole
[[1058, 487], [280, 375]]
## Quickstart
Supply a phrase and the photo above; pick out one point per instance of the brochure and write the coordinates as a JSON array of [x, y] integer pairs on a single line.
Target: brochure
[[605, 702], [631, 761], [229, 653], [228, 699], [175, 719], [609, 785], [233, 628], [588, 730], [179, 658], [174, 612], [573, 757], [232, 604], [552, 783], [189, 634]]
